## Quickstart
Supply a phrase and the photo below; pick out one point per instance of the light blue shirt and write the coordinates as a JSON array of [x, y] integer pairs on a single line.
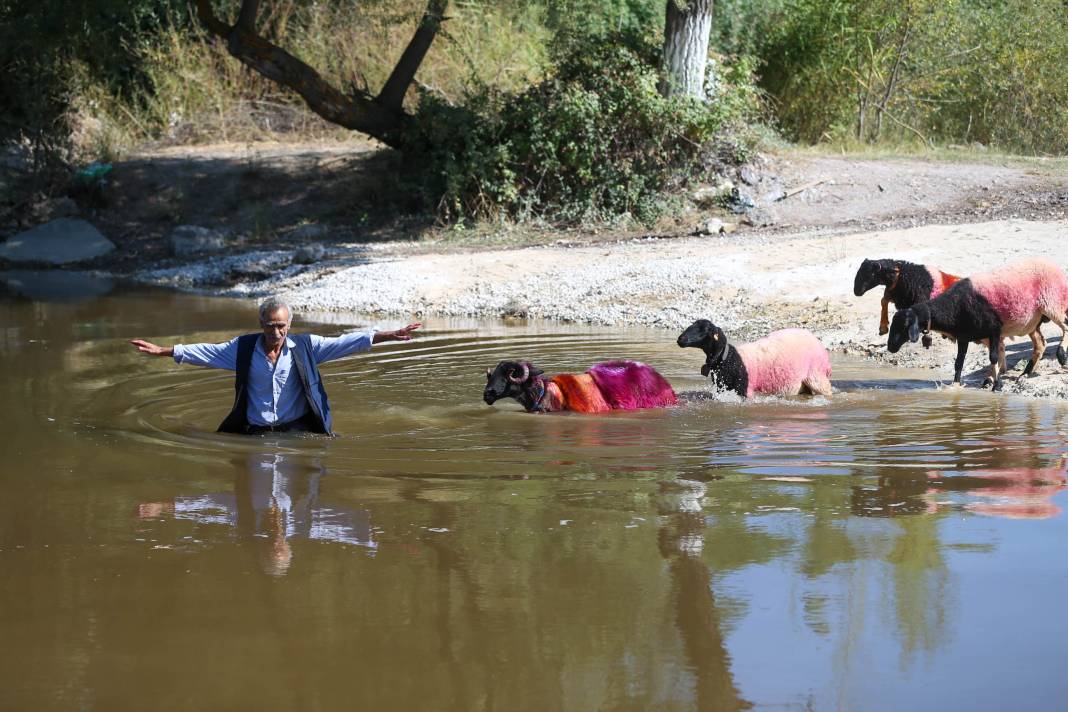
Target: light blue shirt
[[273, 397]]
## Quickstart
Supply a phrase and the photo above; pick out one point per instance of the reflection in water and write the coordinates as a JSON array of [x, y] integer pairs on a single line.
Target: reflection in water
[[681, 541], [893, 496], [699, 557], [275, 499], [1013, 493]]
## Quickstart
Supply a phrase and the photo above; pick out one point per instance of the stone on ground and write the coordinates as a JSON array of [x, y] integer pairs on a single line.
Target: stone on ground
[[189, 240], [58, 242]]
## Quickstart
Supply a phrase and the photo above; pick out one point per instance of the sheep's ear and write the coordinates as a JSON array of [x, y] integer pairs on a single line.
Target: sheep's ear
[[913, 324], [489, 374]]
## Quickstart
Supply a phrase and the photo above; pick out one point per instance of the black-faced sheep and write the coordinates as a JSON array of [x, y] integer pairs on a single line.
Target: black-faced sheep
[[612, 385], [786, 362], [905, 283], [986, 308]]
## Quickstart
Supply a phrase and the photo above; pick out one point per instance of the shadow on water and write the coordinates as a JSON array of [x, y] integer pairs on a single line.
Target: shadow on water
[[54, 285]]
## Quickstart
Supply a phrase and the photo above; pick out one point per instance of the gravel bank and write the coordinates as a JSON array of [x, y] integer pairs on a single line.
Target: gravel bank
[[749, 284]]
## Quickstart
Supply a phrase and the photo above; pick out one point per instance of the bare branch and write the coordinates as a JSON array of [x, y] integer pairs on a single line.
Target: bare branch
[[358, 112], [247, 17], [208, 19], [392, 94]]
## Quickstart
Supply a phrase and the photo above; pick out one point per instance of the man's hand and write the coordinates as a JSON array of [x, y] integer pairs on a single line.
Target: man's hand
[[147, 347], [404, 334]]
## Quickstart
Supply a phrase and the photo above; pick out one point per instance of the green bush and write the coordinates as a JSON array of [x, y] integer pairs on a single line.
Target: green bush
[[594, 141], [949, 71]]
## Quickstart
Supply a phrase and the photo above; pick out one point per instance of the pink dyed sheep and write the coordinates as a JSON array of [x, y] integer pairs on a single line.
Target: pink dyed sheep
[[986, 308], [783, 363], [905, 284], [612, 385]]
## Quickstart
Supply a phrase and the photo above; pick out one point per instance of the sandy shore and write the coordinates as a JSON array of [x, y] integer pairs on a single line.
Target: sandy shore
[[748, 283]]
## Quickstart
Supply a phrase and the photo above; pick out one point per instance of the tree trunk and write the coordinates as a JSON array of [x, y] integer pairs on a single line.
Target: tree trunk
[[686, 31]]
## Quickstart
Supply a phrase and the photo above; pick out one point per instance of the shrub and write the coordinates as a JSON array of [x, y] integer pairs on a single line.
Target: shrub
[[594, 141]]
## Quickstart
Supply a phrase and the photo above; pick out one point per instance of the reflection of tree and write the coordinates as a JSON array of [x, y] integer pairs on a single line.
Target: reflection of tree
[[681, 540], [826, 541], [832, 548], [921, 582]]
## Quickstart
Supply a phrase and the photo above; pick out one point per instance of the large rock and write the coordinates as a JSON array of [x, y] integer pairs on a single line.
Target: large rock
[[188, 240], [57, 242], [309, 254]]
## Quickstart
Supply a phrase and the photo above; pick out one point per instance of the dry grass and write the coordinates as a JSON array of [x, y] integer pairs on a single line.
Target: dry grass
[[952, 153], [198, 93]]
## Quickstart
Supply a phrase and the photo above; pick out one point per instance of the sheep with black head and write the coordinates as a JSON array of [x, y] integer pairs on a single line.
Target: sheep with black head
[[906, 284], [989, 307], [783, 363]]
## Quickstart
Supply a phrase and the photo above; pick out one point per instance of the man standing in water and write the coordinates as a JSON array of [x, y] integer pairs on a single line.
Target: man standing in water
[[270, 397]]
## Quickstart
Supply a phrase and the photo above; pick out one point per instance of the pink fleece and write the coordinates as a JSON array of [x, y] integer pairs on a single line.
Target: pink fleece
[[629, 385], [782, 361], [1022, 292], [941, 281]]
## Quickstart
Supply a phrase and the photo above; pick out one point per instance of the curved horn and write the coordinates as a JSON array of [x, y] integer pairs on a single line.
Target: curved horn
[[523, 376]]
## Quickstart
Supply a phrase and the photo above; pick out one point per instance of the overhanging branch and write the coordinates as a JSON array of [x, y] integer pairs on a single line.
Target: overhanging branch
[[381, 117], [392, 94], [246, 19]]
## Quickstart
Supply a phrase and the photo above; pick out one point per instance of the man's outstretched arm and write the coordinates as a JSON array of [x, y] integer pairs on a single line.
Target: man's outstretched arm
[[210, 355], [330, 348], [147, 347], [402, 334]]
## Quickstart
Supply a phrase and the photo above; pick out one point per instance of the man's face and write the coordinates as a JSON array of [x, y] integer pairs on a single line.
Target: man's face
[[276, 327]]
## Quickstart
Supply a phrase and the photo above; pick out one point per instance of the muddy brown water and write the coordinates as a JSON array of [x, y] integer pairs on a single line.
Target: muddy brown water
[[895, 548]]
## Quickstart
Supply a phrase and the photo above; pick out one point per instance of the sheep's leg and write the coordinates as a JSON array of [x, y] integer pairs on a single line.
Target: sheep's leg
[[1062, 356], [884, 318], [958, 365], [1038, 348], [818, 385], [997, 349]]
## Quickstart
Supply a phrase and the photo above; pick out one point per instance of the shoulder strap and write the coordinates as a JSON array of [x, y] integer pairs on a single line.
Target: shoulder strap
[[237, 420], [246, 345]]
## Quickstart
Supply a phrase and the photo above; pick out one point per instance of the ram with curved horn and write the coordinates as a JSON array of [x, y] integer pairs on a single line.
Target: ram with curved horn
[[612, 385]]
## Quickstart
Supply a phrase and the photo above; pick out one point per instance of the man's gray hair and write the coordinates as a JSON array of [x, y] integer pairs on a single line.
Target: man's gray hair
[[271, 305]]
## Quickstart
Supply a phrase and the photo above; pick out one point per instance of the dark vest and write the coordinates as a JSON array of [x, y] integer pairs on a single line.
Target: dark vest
[[310, 381]]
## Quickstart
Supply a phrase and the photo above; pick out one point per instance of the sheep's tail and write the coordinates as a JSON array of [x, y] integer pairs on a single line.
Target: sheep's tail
[[629, 385]]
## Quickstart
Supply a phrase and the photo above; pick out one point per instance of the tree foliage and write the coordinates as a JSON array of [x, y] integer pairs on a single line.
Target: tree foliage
[[595, 140], [954, 71]]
